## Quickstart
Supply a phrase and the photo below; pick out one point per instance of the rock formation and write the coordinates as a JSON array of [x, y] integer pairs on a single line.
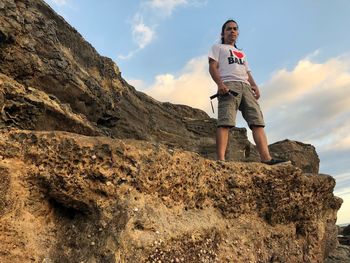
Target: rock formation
[[342, 253], [93, 170], [71, 198]]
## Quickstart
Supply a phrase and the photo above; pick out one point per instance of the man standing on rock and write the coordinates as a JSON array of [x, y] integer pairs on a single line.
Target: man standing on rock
[[237, 90]]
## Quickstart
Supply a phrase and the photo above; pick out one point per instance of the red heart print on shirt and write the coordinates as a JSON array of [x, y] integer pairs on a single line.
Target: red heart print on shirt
[[238, 54]]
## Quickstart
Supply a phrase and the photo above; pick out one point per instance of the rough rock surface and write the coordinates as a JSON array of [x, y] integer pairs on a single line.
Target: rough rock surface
[[340, 255], [302, 155], [71, 198], [29, 108], [345, 231], [97, 195]]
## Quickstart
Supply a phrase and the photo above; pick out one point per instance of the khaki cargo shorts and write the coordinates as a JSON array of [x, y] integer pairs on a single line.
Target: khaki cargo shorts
[[244, 101]]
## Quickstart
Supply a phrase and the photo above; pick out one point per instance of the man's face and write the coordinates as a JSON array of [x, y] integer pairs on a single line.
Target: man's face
[[231, 33]]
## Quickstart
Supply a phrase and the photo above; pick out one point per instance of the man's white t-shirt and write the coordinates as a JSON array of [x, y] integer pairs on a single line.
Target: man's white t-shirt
[[233, 64]]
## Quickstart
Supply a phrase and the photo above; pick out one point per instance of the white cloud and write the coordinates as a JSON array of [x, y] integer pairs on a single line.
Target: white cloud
[[306, 79], [59, 2], [342, 190], [343, 179], [344, 212], [166, 7], [129, 55], [143, 35], [152, 11], [310, 103], [192, 86], [137, 83]]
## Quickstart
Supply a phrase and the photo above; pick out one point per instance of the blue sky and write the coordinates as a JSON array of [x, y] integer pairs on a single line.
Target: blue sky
[[299, 53]]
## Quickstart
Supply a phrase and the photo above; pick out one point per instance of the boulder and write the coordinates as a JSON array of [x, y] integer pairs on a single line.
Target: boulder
[[302, 155], [346, 231], [340, 255]]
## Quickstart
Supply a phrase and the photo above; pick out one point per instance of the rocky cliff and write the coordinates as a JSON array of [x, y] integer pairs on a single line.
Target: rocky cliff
[[94, 171], [71, 198]]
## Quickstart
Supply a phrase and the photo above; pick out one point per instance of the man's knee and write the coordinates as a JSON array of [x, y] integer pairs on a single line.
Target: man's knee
[[224, 127], [256, 127]]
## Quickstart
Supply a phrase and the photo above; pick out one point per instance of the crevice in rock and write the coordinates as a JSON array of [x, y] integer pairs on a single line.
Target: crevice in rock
[[6, 39]]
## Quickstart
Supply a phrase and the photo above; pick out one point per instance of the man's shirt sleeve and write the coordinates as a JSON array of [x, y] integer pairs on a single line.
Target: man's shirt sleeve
[[214, 52]]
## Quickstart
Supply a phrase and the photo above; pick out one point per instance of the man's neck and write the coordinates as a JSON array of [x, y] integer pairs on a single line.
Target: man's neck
[[231, 44]]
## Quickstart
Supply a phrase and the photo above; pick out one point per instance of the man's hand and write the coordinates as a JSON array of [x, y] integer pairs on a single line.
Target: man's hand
[[222, 89], [214, 72], [256, 92]]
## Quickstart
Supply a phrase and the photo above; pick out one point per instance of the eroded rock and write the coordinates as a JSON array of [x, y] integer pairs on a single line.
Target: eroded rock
[[108, 200]]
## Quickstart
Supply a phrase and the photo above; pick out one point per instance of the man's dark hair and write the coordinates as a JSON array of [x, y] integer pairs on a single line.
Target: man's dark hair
[[223, 29]]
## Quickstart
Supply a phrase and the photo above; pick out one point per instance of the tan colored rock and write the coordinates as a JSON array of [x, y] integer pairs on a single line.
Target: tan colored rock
[[66, 196], [29, 108], [302, 155]]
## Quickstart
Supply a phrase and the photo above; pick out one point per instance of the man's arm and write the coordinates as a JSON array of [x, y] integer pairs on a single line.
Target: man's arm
[[253, 85], [214, 73]]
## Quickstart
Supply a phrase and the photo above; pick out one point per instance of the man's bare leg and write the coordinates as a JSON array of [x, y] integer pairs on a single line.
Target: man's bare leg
[[260, 140], [221, 142]]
